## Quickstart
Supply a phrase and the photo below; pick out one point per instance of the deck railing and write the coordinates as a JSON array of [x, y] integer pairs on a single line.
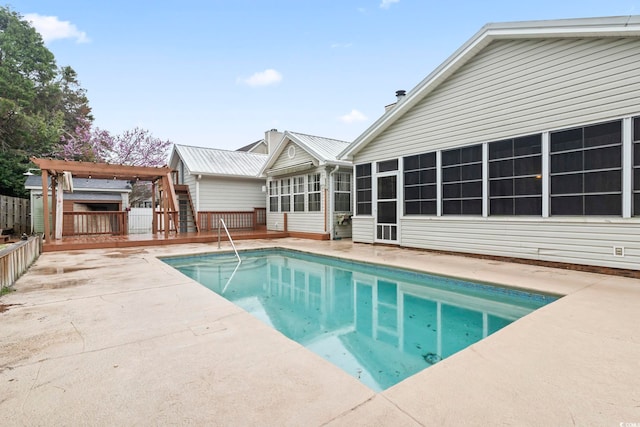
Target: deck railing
[[16, 259], [89, 223], [236, 220]]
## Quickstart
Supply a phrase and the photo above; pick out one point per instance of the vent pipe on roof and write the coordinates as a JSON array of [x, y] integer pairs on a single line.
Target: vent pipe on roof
[[400, 94]]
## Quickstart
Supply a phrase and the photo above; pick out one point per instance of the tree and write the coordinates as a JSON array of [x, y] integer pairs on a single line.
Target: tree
[[38, 102], [137, 147]]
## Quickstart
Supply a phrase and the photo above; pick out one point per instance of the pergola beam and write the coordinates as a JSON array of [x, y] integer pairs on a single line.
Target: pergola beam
[[102, 170], [55, 168]]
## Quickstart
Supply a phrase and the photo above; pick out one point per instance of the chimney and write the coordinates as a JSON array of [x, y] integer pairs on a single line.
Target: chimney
[[272, 137]]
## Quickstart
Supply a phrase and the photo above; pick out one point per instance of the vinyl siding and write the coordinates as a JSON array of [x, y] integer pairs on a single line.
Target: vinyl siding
[[362, 229], [37, 212], [229, 194], [306, 222], [514, 88], [580, 241], [275, 221], [301, 157], [519, 87]]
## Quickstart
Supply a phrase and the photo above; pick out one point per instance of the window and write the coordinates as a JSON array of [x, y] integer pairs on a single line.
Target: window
[[285, 195], [313, 185], [363, 189], [586, 170], [462, 181], [388, 166], [515, 176], [636, 166], [298, 194], [342, 192], [273, 196], [420, 195]]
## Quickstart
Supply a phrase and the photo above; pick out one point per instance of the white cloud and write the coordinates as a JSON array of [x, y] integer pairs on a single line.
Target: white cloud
[[352, 117], [262, 78], [386, 4], [341, 45], [51, 28]]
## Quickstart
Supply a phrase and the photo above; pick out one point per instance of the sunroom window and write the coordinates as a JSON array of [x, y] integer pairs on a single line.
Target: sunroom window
[[462, 181], [273, 196], [363, 189], [420, 192], [586, 170], [285, 195], [515, 176], [636, 166]]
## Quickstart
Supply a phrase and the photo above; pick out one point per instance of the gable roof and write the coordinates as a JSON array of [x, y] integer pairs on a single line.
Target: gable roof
[[620, 26], [215, 162], [251, 147], [324, 150], [34, 182]]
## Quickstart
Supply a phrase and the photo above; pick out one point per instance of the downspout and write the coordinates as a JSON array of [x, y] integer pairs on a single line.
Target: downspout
[[331, 202]]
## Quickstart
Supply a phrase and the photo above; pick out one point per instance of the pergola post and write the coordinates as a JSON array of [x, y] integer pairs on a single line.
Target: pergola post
[[59, 207], [45, 205], [154, 218]]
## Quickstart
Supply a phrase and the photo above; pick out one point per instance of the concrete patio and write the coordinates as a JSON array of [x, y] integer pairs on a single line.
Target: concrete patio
[[116, 337]]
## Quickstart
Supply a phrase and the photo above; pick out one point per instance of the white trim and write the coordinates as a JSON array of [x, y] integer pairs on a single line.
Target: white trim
[[439, 183], [627, 167], [546, 177], [485, 179]]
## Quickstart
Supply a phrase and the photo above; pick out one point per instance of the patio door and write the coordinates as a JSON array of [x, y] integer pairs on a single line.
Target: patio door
[[387, 208]]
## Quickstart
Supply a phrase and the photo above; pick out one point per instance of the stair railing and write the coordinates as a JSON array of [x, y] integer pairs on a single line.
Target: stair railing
[[229, 236]]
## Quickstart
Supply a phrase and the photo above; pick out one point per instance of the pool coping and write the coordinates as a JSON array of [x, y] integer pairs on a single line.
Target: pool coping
[[120, 319]]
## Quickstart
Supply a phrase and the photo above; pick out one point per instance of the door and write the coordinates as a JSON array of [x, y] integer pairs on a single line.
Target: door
[[387, 208]]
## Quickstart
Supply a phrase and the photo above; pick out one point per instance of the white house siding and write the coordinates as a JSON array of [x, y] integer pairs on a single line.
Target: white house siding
[[581, 241], [306, 222], [514, 88], [362, 229], [284, 161], [275, 221], [37, 219], [303, 222], [518, 87], [230, 194]]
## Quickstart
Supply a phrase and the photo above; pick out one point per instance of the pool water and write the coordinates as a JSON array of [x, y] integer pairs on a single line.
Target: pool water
[[379, 324]]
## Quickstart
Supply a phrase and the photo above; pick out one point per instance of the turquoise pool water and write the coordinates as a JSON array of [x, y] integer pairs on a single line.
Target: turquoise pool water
[[379, 324]]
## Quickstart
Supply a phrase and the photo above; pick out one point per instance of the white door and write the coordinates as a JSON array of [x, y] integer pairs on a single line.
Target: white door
[[387, 208]]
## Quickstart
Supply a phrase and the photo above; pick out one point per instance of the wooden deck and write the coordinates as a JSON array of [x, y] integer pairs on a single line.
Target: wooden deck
[[133, 240]]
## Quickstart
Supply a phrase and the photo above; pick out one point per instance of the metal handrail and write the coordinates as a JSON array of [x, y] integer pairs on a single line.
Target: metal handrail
[[230, 239]]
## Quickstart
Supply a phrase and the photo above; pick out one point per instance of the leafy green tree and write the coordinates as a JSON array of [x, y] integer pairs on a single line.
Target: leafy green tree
[[39, 103]]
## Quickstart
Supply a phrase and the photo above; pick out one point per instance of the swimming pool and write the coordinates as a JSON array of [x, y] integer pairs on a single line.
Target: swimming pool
[[379, 324]]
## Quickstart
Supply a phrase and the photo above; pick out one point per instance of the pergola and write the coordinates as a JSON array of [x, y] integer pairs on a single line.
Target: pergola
[[56, 169]]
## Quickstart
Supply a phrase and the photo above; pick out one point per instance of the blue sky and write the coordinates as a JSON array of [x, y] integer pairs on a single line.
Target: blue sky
[[219, 73]]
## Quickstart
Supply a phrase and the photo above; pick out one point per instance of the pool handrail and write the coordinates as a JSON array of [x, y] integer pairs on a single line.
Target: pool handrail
[[230, 239]]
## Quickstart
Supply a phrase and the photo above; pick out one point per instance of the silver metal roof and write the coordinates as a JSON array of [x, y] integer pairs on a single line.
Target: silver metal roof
[[211, 161], [324, 149]]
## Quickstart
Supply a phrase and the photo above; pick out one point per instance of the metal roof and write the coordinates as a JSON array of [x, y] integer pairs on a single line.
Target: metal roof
[[211, 161], [324, 149], [34, 182]]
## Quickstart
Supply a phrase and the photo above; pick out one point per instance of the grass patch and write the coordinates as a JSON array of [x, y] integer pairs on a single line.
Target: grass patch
[[5, 290]]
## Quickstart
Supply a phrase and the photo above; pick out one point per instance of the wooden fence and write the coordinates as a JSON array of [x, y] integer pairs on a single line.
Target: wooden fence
[[17, 258], [238, 220], [87, 223], [15, 214]]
